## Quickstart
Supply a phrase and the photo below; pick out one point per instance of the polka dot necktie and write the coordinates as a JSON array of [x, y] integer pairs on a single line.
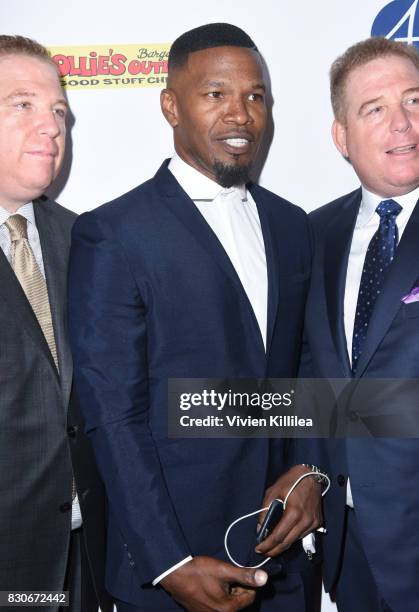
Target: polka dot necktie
[[378, 258]]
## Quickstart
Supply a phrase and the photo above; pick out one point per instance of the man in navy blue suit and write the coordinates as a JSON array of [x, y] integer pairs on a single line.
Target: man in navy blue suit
[[197, 273], [362, 324]]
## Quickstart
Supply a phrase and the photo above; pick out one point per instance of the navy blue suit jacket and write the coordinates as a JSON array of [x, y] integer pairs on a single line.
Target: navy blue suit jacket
[[383, 472], [153, 295]]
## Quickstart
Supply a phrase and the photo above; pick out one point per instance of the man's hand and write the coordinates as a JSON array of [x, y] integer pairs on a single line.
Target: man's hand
[[303, 512], [206, 584]]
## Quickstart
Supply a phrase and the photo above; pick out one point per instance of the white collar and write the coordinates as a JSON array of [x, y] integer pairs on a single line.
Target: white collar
[[197, 185], [370, 201], [26, 210]]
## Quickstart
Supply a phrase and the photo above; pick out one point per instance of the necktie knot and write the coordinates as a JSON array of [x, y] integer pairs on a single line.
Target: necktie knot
[[388, 208], [17, 226]]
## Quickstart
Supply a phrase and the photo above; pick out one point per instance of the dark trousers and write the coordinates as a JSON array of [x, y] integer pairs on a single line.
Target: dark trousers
[[78, 579], [356, 589]]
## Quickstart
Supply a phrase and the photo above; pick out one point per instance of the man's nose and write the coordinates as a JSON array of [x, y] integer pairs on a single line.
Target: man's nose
[[49, 123], [238, 112], [400, 121]]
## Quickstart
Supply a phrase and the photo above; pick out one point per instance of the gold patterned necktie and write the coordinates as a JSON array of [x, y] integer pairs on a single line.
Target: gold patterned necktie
[[33, 284], [30, 277]]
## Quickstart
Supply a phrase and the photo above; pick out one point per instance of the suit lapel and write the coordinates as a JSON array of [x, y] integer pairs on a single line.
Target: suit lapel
[[337, 247], [55, 257], [185, 210], [401, 275]]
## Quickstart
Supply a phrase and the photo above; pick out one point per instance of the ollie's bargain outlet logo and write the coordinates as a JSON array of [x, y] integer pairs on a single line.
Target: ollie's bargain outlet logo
[[100, 67]]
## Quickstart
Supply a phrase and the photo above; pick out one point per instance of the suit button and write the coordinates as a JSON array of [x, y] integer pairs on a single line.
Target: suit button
[[65, 507], [341, 480], [353, 416], [72, 431]]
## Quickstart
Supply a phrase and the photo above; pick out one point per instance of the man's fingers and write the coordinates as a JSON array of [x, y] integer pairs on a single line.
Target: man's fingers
[[277, 546], [269, 544], [253, 578], [285, 544], [281, 531], [241, 598], [293, 526], [250, 577]]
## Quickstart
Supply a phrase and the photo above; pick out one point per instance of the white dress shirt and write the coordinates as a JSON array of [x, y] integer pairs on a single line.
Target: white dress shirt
[[233, 217], [366, 225], [33, 238]]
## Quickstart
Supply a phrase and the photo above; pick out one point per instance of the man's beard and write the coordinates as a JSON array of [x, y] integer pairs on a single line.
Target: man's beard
[[229, 175]]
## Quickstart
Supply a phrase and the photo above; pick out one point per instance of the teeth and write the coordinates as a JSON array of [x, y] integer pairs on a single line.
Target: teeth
[[403, 149], [236, 142]]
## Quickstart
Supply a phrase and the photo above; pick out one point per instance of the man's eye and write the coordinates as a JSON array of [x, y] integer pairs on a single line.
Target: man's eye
[[23, 105], [412, 101], [214, 94], [60, 112], [374, 110], [255, 97]]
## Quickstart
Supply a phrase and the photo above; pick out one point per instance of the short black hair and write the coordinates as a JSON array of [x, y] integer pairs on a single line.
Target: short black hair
[[207, 36]]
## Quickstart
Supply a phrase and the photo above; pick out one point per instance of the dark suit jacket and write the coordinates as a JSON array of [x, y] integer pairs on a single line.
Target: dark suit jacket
[[36, 407], [153, 295], [383, 472]]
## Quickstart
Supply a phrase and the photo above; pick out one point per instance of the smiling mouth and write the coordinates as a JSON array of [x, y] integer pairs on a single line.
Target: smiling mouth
[[237, 142], [402, 150]]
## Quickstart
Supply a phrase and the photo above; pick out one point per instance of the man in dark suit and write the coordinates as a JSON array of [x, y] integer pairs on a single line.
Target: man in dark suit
[[196, 273], [360, 325], [46, 525]]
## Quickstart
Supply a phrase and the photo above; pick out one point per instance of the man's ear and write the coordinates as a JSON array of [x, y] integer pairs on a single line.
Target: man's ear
[[339, 137], [169, 106]]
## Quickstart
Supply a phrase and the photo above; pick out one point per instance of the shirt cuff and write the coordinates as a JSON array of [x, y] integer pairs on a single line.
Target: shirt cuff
[[349, 498], [170, 570], [309, 543]]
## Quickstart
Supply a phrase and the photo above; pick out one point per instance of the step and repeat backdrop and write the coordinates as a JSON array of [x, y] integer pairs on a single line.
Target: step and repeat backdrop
[[113, 61]]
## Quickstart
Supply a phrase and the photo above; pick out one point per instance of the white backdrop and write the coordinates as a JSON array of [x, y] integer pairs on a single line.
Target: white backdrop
[[119, 137]]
